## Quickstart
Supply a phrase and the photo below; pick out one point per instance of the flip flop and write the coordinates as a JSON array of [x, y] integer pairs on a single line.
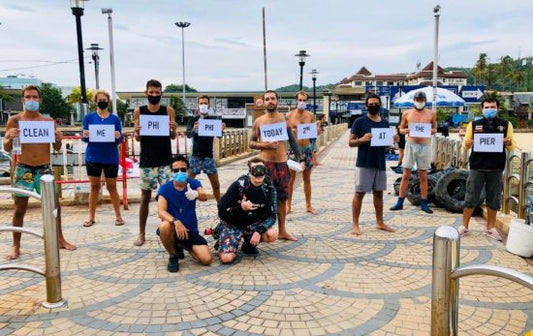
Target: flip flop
[[89, 222], [119, 222]]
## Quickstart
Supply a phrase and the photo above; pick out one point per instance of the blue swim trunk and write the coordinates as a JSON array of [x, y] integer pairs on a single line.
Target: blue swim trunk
[[29, 177], [230, 236], [198, 163], [151, 177]]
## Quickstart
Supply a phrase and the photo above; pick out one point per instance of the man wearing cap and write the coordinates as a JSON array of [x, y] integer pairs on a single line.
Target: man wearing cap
[[418, 124]]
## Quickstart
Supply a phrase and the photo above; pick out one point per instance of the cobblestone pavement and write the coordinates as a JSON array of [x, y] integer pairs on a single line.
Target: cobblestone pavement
[[328, 282]]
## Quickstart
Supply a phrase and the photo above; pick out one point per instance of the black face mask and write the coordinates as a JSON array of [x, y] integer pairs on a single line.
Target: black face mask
[[374, 109], [102, 105], [154, 100], [258, 171]]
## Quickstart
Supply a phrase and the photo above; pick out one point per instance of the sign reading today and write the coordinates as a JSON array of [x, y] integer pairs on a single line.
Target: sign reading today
[[155, 125], [37, 132], [209, 127], [274, 132], [101, 133], [382, 137], [420, 130], [307, 131], [488, 142]]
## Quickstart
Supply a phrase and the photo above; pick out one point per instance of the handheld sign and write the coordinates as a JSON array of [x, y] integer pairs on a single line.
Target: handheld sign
[[382, 137], [307, 131], [420, 130], [488, 142], [274, 132], [101, 133], [209, 127], [37, 132], [155, 125]]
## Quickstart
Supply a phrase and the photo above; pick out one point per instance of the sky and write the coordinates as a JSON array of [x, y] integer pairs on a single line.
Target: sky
[[224, 44]]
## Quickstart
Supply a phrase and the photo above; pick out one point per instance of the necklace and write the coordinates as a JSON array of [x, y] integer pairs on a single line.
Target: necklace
[[101, 117]]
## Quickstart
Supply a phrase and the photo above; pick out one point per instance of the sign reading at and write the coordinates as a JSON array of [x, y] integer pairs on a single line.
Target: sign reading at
[[37, 132], [307, 131], [420, 130], [101, 133], [488, 142], [274, 132], [156, 125], [382, 137], [210, 127]]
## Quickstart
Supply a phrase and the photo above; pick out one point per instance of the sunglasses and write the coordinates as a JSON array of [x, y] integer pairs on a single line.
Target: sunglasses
[[258, 171], [179, 170]]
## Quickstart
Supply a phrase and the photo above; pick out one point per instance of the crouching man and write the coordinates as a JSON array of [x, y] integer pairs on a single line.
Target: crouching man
[[247, 211], [176, 202]]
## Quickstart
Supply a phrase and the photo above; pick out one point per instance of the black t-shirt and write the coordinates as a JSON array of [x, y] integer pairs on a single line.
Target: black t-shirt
[[202, 146], [155, 150], [367, 156]]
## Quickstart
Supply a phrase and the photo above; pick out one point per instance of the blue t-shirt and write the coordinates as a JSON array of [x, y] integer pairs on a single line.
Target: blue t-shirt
[[102, 152], [367, 156], [179, 206]]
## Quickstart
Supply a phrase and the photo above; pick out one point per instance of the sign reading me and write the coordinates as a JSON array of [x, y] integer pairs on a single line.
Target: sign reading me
[[274, 132], [155, 125], [420, 130], [210, 127], [488, 142], [382, 137], [101, 133], [37, 131], [307, 131]]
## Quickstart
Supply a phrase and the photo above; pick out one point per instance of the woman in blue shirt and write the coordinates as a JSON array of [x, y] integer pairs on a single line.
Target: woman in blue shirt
[[103, 133]]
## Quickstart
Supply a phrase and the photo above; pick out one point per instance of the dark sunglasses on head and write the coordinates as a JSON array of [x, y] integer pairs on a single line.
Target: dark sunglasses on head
[[258, 171], [178, 170]]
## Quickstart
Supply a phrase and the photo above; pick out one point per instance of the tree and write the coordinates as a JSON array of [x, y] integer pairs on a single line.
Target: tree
[[122, 109], [179, 88], [177, 104], [75, 97], [53, 102], [480, 70]]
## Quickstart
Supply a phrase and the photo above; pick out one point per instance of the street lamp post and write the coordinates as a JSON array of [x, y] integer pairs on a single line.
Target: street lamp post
[[183, 25], [96, 59], [436, 14], [302, 55], [77, 11], [313, 76], [108, 11]]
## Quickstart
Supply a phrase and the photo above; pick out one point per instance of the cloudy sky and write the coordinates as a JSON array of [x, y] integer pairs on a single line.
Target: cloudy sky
[[224, 47]]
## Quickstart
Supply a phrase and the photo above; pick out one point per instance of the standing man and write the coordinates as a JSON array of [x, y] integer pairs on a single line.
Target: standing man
[[156, 151], [419, 124], [202, 149], [33, 162], [370, 172], [274, 154], [295, 118], [486, 167]]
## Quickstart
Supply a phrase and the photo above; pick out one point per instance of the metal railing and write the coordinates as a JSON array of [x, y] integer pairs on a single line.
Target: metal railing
[[445, 280], [523, 177], [52, 271], [449, 152]]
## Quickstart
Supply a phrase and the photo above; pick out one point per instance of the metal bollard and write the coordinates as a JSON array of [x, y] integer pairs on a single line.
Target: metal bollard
[[524, 183]]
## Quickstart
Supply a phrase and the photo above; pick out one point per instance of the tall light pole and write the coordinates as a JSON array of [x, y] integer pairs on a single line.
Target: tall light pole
[[77, 11], [96, 59], [313, 76], [302, 55], [183, 25], [108, 11], [436, 14]]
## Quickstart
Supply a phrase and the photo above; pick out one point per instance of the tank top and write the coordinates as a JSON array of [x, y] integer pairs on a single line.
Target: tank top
[[155, 150]]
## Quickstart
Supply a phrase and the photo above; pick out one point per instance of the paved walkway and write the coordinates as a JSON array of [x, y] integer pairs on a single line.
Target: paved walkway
[[329, 282]]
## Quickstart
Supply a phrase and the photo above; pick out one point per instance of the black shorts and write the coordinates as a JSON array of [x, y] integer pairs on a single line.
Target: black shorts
[[95, 170], [401, 142], [194, 239]]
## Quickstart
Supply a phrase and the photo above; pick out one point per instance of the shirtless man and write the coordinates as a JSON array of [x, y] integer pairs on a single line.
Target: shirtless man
[[33, 163], [417, 150], [294, 118], [274, 154]]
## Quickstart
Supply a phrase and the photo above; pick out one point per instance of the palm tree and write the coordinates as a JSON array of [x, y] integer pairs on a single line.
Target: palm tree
[[505, 70], [480, 70]]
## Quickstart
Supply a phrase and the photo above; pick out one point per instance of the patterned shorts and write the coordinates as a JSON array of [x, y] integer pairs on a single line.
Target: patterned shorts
[[152, 176], [29, 178], [280, 176], [307, 151], [230, 236], [207, 164]]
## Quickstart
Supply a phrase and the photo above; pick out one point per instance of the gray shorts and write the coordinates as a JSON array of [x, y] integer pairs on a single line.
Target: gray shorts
[[491, 180], [369, 179], [417, 153]]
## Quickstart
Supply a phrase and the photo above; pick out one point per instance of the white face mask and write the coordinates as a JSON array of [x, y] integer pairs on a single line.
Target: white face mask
[[420, 105], [204, 109], [302, 105]]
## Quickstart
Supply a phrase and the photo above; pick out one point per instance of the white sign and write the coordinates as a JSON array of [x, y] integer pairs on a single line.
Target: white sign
[[210, 127], [37, 132], [307, 131], [274, 132], [101, 133], [356, 112], [156, 125], [382, 137], [420, 130], [488, 142]]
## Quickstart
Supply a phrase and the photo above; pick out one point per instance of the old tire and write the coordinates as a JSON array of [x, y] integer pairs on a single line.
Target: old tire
[[413, 193], [451, 190]]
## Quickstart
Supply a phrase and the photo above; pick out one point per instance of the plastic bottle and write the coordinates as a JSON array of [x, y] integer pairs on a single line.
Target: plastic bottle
[[16, 149]]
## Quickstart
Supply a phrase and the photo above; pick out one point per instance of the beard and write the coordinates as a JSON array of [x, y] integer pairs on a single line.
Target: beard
[[271, 108]]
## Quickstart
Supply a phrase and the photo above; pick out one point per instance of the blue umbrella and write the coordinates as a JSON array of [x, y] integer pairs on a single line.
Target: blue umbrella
[[445, 98]]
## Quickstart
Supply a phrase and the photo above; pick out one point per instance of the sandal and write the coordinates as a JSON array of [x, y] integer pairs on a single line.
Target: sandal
[[119, 222], [89, 222]]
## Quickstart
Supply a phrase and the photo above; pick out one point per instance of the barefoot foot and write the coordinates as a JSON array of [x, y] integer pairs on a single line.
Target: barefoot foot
[[286, 236], [14, 253], [356, 231], [63, 244], [385, 227], [140, 240], [311, 210]]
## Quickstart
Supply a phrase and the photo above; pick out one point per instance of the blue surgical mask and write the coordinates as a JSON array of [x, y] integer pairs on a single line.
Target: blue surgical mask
[[31, 105], [180, 177], [302, 105], [490, 113]]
